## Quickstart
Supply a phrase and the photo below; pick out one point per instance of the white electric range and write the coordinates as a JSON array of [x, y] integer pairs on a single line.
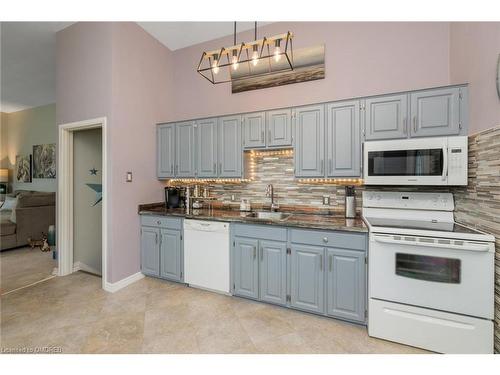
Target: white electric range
[[431, 280]]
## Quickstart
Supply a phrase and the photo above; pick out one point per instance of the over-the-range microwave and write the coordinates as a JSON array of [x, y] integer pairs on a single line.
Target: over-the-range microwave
[[420, 161]]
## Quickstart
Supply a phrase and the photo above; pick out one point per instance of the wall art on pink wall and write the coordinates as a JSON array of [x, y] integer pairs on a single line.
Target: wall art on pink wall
[[308, 65]]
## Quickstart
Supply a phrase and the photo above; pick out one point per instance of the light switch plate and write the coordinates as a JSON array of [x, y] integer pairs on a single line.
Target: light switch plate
[[326, 200], [129, 177]]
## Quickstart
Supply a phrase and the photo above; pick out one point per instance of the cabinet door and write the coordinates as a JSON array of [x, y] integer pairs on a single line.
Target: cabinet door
[[150, 251], [279, 128], [273, 271], [343, 141], [206, 141], [170, 254], [230, 148], [435, 112], [254, 130], [346, 294], [386, 117], [307, 278], [185, 149], [165, 139], [246, 268], [309, 141]]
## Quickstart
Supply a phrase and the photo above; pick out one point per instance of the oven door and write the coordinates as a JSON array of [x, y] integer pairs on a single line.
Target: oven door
[[406, 162], [449, 275]]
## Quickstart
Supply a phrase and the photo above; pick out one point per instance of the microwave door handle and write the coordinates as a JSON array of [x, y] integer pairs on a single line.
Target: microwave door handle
[[445, 163], [471, 246]]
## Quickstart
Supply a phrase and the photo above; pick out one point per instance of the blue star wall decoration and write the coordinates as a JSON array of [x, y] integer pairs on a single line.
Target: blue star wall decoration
[[93, 171]]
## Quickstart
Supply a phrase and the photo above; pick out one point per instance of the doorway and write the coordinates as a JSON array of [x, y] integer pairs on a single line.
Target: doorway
[[82, 198]]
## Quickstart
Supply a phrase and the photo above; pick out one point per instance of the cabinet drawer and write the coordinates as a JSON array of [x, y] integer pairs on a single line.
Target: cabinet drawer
[[162, 221], [345, 240], [265, 232]]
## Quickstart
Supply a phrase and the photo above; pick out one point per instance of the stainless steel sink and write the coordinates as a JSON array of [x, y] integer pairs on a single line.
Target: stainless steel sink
[[266, 215]]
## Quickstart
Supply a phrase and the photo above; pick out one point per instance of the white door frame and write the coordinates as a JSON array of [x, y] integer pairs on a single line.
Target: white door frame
[[65, 195]]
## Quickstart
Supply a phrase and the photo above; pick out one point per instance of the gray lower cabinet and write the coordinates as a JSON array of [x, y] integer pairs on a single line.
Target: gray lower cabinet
[[279, 128], [206, 145], [161, 247], [309, 124], [346, 293], [386, 117], [170, 254], [185, 155], [254, 130], [307, 278], [343, 139], [165, 148], [246, 267], [150, 251], [435, 112], [230, 147], [273, 273]]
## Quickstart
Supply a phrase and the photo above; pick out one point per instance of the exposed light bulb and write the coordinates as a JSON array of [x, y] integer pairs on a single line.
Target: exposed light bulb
[[255, 56], [215, 63], [235, 60], [277, 50]]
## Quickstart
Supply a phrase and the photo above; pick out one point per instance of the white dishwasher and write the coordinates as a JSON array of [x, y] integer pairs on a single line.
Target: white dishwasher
[[206, 255]]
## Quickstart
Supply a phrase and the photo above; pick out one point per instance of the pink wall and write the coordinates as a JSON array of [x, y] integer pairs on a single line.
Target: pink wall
[[142, 96], [362, 58], [474, 49], [119, 71]]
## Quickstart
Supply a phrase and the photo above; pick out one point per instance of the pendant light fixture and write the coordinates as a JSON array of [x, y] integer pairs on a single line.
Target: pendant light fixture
[[259, 57]]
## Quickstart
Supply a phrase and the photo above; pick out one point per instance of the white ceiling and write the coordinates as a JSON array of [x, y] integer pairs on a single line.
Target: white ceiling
[[176, 35], [28, 64], [28, 55]]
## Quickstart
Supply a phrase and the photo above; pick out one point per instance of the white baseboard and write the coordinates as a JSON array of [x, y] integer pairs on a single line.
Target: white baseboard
[[79, 266], [114, 287]]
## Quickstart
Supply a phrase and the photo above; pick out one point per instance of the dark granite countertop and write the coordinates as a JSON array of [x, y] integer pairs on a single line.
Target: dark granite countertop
[[309, 220]]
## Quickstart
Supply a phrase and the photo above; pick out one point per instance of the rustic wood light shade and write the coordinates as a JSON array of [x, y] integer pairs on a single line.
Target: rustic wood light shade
[[257, 58]]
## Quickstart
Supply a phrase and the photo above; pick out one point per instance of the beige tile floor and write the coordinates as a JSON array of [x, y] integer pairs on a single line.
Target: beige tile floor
[[24, 266], [153, 316]]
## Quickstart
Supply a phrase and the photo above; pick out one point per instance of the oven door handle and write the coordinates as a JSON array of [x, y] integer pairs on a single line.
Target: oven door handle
[[445, 164], [468, 246]]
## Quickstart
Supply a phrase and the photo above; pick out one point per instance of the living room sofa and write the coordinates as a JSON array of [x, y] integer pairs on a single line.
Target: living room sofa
[[34, 213]]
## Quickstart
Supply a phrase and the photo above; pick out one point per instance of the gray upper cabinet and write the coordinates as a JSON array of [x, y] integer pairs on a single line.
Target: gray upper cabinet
[[386, 117], [165, 138], [170, 254], [150, 253], [435, 112], [307, 278], [279, 128], [346, 295], [206, 145], [272, 271], [309, 124], [343, 142], [230, 147], [254, 130], [246, 267], [185, 163]]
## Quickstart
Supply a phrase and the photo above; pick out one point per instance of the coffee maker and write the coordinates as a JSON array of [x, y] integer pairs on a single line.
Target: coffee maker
[[175, 197]]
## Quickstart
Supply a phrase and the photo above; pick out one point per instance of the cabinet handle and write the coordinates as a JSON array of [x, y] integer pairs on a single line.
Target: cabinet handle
[[254, 252], [415, 124], [261, 253], [321, 262], [405, 126], [325, 239], [262, 136], [330, 165], [220, 168], [322, 166], [156, 238], [215, 168], [330, 263], [171, 169], [269, 136]]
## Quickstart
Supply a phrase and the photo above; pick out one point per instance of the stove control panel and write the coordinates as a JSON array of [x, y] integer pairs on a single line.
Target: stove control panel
[[408, 200]]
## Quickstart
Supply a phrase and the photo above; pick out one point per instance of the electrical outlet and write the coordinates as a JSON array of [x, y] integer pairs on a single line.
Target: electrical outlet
[[326, 200]]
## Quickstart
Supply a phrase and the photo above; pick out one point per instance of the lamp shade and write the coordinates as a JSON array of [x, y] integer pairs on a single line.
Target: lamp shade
[[4, 175]]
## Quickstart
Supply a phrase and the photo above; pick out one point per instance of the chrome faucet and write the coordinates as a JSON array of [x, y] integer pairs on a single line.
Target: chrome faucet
[[270, 193]]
